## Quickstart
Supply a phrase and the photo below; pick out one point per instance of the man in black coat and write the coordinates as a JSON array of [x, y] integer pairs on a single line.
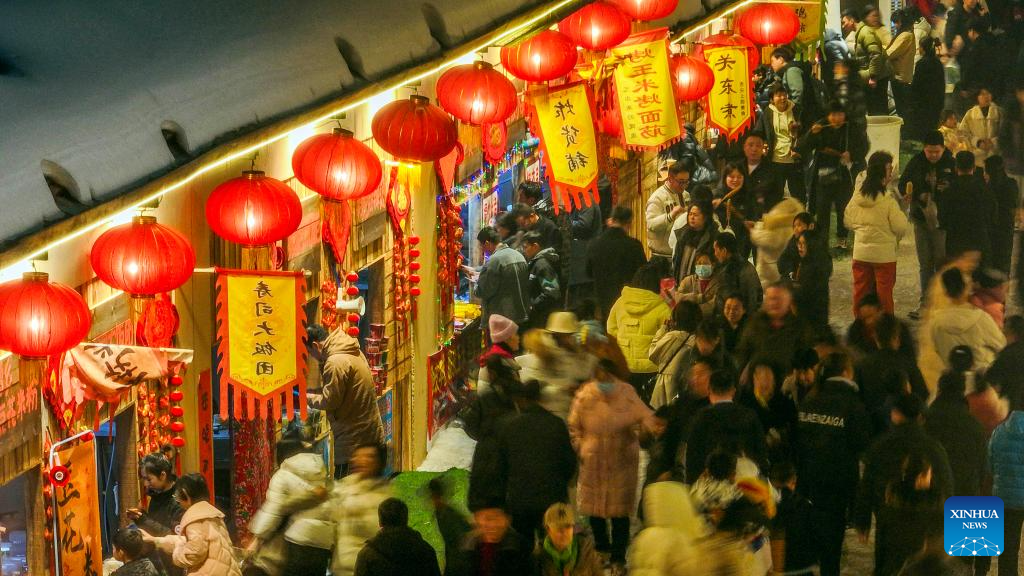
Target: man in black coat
[[884, 372], [529, 220], [613, 258], [495, 544], [585, 225], [967, 211], [1007, 373], [884, 464], [774, 331], [724, 425], [949, 422], [763, 184], [396, 550], [832, 431], [537, 462], [163, 512], [545, 287]]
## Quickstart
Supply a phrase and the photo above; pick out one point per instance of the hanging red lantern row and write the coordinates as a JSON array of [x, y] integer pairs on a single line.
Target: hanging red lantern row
[[449, 252], [546, 56], [157, 406], [352, 291], [597, 26], [769, 24], [414, 130], [476, 94], [414, 276], [143, 257], [692, 78], [253, 210], [337, 166], [177, 425], [647, 10]]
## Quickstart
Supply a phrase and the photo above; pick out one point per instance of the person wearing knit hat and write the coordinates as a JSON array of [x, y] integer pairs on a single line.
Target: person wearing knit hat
[[503, 330], [504, 335]]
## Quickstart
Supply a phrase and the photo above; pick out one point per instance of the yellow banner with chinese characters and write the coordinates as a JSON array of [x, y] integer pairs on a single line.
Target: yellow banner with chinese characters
[[730, 104], [564, 119], [643, 85], [260, 334], [77, 513]]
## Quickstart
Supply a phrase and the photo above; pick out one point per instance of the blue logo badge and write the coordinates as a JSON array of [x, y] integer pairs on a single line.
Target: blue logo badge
[[974, 526]]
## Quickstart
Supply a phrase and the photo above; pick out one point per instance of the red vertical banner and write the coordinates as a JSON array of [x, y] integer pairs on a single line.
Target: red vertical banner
[[204, 419]]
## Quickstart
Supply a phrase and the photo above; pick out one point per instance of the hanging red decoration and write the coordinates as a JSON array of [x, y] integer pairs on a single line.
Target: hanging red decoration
[[352, 277], [143, 257], [39, 318], [476, 94], [692, 78], [177, 441], [597, 26], [414, 130], [337, 166], [253, 209], [540, 58], [647, 10], [769, 24], [353, 318], [729, 38]]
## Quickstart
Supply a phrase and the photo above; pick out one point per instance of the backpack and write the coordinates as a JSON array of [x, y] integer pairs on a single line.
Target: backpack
[[815, 97]]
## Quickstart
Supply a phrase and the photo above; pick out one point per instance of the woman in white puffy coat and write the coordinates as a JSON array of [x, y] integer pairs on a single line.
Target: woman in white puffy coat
[[295, 525], [771, 235], [355, 501]]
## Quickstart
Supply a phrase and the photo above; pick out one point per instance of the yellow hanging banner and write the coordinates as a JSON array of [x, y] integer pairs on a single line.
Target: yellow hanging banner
[[260, 331], [643, 86], [564, 119], [730, 106]]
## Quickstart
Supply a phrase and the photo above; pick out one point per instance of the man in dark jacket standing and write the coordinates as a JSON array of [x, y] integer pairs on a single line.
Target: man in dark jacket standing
[[585, 225], [503, 282], [734, 274], [949, 422], [529, 220], [537, 462], [724, 424], [613, 258], [774, 332], [923, 183], [832, 431], [545, 288], [396, 550], [884, 464], [763, 184], [495, 548], [967, 211]]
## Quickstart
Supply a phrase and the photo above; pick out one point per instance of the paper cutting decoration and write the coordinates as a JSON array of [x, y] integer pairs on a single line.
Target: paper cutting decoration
[[260, 322], [564, 119], [645, 93]]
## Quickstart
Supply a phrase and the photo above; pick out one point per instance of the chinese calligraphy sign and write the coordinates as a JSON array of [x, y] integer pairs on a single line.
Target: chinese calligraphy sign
[[564, 120], [76, 513], [730, 103], [643, 84], [260, 322]]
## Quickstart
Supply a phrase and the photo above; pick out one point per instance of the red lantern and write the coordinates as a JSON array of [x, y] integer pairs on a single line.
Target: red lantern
[[337, 166], [647, 10], [546, 56], [353, 318], [143, 258], [414, 130], [476, 94], [769, 24], [414, 266], [352, 277], [414, 253], [176, 396], [415, 291], [352, 291], [597, 26], [353, 331], [177, 411], [414, 278], [692, 78], [177, 441], [177, 426], [414, 240], [39, 318], [253, 210]]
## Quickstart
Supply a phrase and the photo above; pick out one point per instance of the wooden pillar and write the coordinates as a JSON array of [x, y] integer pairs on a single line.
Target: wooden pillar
[[127, 453], [35, 516]]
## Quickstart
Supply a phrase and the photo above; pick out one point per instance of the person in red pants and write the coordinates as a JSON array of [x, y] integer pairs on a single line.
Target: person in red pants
[[878, 223]]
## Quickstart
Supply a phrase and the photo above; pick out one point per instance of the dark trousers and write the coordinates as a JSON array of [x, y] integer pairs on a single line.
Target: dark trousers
[[306, 560], [619, 540], [794, 175], [1012, 527], [901, 96], [878, 98], [825, 198], [831, 526], [644, 385], [529, 524]]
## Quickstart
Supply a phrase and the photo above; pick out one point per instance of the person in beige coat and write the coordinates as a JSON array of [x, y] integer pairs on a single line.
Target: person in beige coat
[[980, 128], [604, 425], [771, 235], [201, 545], [668, 351], [356, 500]]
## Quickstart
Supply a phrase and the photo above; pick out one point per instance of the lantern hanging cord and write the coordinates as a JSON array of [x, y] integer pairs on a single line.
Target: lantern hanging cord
[[252, 162]]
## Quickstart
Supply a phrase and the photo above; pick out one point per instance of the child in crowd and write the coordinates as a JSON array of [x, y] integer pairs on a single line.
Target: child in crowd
[[130, 549], [950, 129]]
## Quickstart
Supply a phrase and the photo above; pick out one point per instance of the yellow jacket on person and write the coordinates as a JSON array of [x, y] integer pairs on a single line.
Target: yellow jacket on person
[[634, 320]]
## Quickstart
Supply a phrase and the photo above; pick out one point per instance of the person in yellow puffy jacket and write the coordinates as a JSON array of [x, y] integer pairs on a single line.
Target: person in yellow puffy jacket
[[634, 320]]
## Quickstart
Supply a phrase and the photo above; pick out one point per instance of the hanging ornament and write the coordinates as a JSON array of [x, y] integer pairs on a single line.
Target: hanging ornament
[[495, 139], [729, 38], [769, 24], [692, 78], [158, 323], [647, 10], [39, 318], [597, 26], [414, 130], [477, 94], [337, 166], [253, 210], [543, 57], [143, 257]]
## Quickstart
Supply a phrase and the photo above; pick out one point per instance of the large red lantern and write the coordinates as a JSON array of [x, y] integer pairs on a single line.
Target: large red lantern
[[414, 130], [253, 210], [477, 94], [143, 258], [647, 10], [39, 318], [337, 166], [597, 26], [541, 58], [769, 24], [692, 78]]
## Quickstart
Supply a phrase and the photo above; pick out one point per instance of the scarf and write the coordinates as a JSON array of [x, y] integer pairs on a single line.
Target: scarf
[[565, 560]]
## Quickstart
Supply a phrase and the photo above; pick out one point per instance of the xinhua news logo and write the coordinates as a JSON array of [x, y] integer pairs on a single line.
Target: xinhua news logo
[[974, 526]]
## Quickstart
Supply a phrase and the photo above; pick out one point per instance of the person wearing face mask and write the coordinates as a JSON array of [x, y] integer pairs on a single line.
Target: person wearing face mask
[[701, 287], [692, 238], [603, 422]]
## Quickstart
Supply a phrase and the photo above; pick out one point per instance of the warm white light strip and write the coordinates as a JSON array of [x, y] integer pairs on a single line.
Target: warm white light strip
[[245, 152], [696, 29]]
